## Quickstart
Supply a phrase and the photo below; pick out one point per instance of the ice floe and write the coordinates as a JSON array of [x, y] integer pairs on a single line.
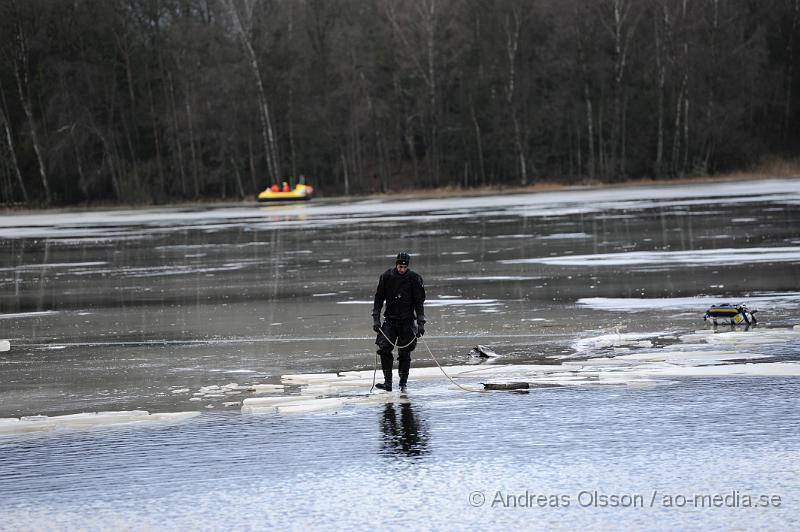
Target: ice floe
[[618, 359], [441, 302], [88, 420], [776, 300], [217, 392], [753, 337], [615, 339], [685, 258], [489, 278], [5, 345]]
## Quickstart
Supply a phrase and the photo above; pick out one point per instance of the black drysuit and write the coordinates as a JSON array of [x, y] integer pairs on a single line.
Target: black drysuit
[[404, 295]]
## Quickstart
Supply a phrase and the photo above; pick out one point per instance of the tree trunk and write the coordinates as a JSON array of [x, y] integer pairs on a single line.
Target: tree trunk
[[21, 73], [578, 149], [238, 175], [108, 159], [270, 149], [409, 138], [252, 160], [676, 134], [345, 174], [132, 153], [174, 107], [10, 142], [602, 161], [712, 82], [787, 113], [512, 46], [382, 159], [124, 47], [292, 152], [157, 144], [430, 25], [587, 100], [661, 22], [82, 183], [426, 69], [478, 142], [192, 150], [685, 161]]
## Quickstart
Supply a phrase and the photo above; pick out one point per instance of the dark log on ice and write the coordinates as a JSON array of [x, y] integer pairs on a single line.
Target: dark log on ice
[[506, 386]]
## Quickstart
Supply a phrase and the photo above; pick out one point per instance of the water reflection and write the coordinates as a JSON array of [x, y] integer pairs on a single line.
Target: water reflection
[[403, 433]]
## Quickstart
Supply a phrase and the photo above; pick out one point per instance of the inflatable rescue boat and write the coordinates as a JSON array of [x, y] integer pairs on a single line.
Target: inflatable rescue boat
[[736, 314], [274, 193]]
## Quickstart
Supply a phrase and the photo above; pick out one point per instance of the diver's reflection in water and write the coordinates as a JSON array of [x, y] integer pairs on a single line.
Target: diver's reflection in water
[[403, 434]]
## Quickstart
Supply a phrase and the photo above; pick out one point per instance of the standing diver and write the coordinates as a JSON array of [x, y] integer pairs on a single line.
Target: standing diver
[[404, 293]]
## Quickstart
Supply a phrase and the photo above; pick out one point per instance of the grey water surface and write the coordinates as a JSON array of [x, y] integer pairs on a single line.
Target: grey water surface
[[116, 310]]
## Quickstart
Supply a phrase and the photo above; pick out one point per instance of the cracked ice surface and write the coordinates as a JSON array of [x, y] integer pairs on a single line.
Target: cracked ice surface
[[633, 362]]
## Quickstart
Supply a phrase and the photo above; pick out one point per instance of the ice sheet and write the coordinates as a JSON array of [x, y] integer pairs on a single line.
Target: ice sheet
[[685, 258], [442, 302], [618, 359], [782, 300], [88, 420], [97, 223], [615, 339]]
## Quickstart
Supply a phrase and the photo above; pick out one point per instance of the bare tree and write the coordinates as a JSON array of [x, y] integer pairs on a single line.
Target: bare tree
[[10, 144], [242, 19], [421, 27], [622, 27], [513, 22], [662, 23], [795, 9], [22, 76], [587, 100]]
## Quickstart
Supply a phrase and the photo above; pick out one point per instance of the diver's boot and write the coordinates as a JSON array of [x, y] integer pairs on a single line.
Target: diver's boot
[[403, 367], [387, 381], [386, 367]]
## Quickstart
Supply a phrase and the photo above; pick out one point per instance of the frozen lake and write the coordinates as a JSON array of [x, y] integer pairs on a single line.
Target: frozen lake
[[595, 297]]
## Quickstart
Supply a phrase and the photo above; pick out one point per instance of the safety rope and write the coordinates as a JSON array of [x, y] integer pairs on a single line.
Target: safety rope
[[394, 344], [448, 376]]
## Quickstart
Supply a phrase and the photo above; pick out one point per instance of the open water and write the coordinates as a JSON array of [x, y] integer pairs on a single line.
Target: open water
[[138, 310]]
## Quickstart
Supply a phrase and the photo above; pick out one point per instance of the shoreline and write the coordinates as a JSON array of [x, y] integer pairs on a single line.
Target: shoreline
[[422, 193]]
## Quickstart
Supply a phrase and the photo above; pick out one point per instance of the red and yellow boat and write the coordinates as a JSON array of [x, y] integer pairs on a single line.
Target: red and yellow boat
[[300, 192]]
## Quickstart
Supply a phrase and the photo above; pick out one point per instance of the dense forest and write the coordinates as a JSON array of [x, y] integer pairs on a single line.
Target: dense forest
[[148, 101]]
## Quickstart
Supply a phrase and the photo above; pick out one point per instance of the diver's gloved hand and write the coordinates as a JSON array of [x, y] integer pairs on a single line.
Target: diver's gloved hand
[[420, 328], [376, 324]]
